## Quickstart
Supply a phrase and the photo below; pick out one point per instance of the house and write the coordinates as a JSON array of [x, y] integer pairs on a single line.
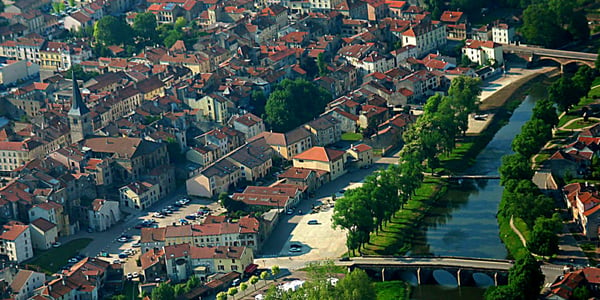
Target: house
[[503, 34], [325, 130], [348, 121], [24, 283], [43, 234], [457, 24], [216, 178], [288, 144], [15, 242], [152, 239], [583, 200], [360, 155], [139, 194], [103, 214], [253, 159], [202, 155], [77, 21], [324, 159], [483, 52], [426, 36], [53, 212], [570, 163], [185, 260], [213, 107], [249, 124], [153, 264], [133, 157], [308, 180], [82, 281], [371, 116], [272, 197]]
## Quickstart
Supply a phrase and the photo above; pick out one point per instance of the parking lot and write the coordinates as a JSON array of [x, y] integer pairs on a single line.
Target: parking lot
[[115, 246]]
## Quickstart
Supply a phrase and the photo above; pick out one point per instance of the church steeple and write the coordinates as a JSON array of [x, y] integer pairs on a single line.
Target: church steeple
[[79, 119], [78, 107]]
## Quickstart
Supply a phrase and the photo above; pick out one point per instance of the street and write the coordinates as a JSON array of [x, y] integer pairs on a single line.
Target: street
[[320, 241]]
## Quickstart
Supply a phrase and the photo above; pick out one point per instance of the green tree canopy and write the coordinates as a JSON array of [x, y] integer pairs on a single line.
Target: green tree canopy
[[144, 26], [163, 291], [540, 27], [294, 103], [112, 31], [515, 166]]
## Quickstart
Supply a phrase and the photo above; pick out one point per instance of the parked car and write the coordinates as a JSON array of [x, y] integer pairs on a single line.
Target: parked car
[[136, 245], [313, 222], [122, 239], [190, 217], [104, 254], [290, 211], [184, 222], [123, 255], [56, 245]]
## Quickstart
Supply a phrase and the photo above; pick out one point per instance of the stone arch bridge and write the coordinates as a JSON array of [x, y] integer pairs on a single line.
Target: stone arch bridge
[[533, 54], [427, 270]]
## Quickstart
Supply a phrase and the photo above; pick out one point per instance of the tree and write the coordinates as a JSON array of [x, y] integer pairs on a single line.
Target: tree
[[163, 291], [264, 275], [79, 73], [243, 286], [178, 289], [353, 213], [180, 22], [144, 26], [540, 27], [583, 79], [193, 282], [532, 137], [222, 296], [515, 166], [544, 110], [502, 292], [305, 99], [253, 280], [581, 293], [118, 297], [258, 101], [309, 65], [72, 3], [356, 285], [564, 93], [112, 31], [526, 277], [322, 64], [232, 291], [230, 204], [597, 62], [275, 271]]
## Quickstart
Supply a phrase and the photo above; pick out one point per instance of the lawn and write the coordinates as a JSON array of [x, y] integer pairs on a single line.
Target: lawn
[[50, 261], [510, 239], [351, 137], [578, 124], [392, 290], [594, 93], [522, 227], [397, 236]]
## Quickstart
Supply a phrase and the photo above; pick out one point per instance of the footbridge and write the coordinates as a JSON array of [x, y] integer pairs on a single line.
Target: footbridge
[[562, 57], [460, 271]]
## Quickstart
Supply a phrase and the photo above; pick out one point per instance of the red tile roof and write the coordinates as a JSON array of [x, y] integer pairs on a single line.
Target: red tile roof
[[320, 154], [12, 232]]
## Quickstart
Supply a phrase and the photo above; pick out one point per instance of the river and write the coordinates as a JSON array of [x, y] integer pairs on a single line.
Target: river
[[464, 223]]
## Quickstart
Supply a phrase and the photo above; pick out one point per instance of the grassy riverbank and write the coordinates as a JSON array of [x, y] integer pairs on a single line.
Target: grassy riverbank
[[398, 236]]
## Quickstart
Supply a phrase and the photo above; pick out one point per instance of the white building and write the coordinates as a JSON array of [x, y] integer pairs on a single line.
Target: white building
[[503, 34], [139, 194], [249, 124], [426, 36], [43, 234], [24, 284], [15, 242], [103, 214], [483, 52], [14, 70]]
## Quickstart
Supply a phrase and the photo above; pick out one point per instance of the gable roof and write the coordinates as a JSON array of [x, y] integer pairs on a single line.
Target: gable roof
[[43, 224], [320, 154]]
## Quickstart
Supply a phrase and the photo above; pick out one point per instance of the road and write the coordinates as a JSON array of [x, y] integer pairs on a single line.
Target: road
[[484, 264], [106, 241], [552, 52], [320, 241]]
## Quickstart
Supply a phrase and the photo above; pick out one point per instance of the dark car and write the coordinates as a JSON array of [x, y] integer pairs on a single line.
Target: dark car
[[190, 217]]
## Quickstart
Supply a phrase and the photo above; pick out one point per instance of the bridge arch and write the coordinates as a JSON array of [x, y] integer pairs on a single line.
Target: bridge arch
[[445, 278], [481, 279], [565, 62]]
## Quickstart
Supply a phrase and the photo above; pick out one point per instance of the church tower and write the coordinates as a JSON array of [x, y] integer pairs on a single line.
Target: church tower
[[79, 115]]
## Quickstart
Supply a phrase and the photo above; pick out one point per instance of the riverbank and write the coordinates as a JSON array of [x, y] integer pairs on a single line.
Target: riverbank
[[398, 235]]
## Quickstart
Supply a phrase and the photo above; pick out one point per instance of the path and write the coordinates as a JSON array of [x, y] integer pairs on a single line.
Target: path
[[564, 127], [514, 228]]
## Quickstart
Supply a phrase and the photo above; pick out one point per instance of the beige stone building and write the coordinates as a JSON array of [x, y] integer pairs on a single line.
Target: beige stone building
[[321, 158]]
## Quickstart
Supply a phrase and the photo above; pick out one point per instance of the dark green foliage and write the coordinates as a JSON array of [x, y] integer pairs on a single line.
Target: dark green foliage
[[534, 134], [322, 65], [581, 293], [112, 31], [544, 238], [294, 103], [230, 204], [163, 291], [525, 281], [144, 26], [540, 27], [544, 110], [79, 73], [258, 101], [514, 166]]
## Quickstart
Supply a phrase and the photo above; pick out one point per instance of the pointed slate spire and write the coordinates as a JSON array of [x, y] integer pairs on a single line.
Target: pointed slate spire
[[78, 107]]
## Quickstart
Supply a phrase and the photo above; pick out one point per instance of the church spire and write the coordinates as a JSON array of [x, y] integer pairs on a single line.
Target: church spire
[[78, 107]]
